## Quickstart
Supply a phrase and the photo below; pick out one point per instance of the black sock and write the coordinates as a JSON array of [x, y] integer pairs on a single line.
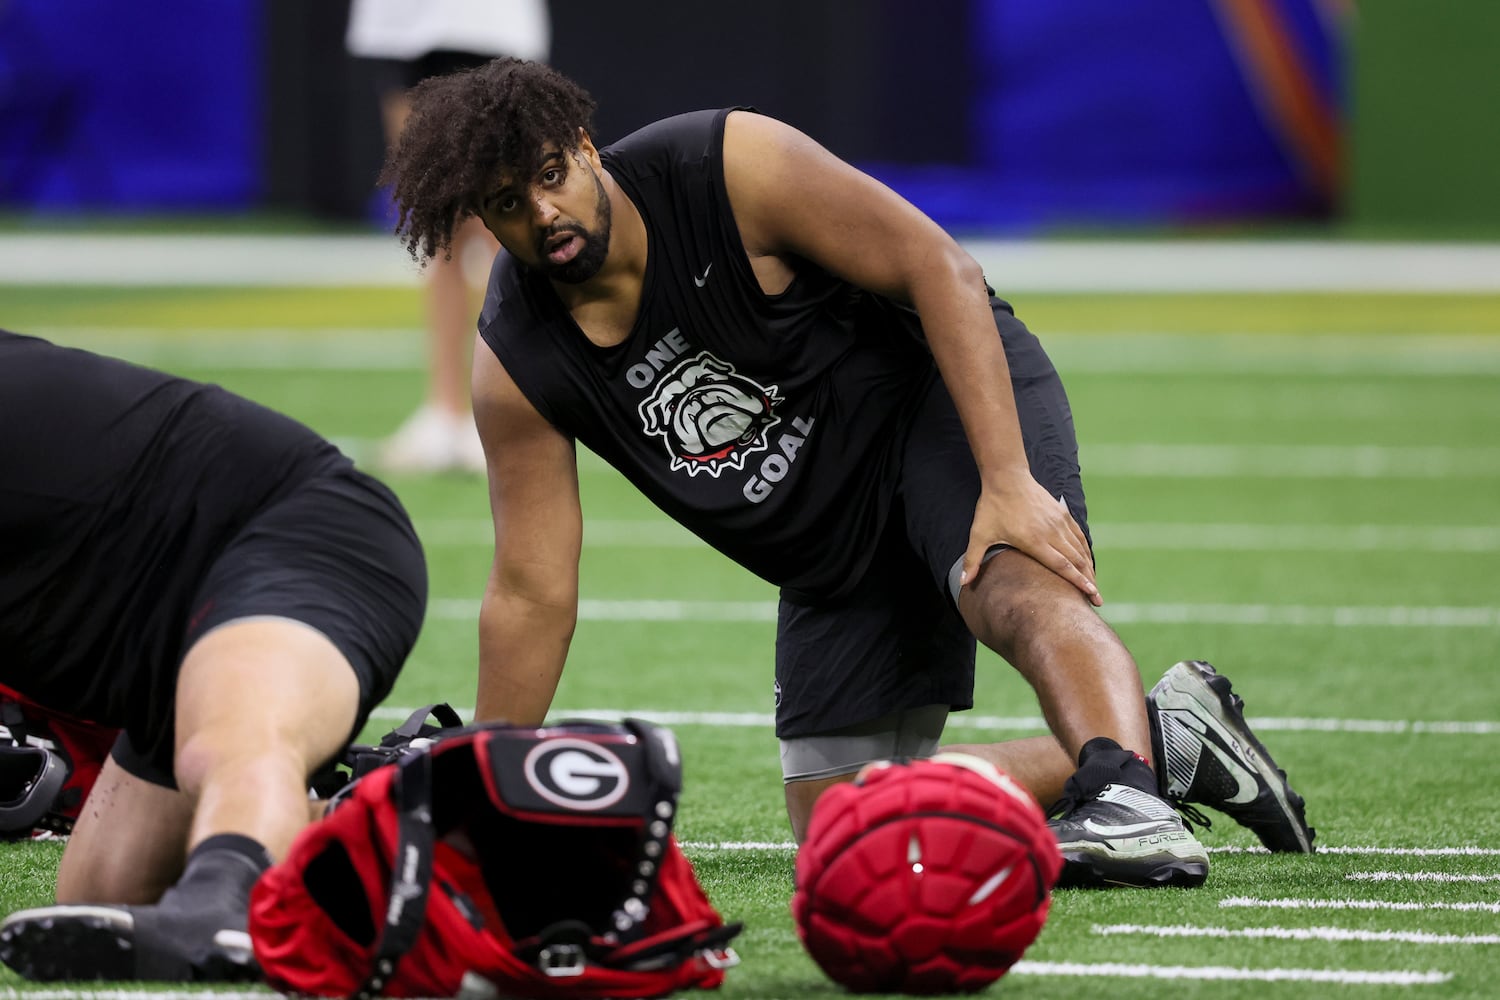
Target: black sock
[[252, 850], [177, 939], [1102, 762], [219, 873]]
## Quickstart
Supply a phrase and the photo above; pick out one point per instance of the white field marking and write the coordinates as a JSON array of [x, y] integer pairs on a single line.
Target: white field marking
[[1343, 977], [1352, 904], [1257, 461], [1379, 726], [1296, 537], [1417, 877], [9, 993], [1301, 614], [1016, 265], [1218, 461], [1240, 354], [999, 723], [1295, 934], [1279, 615], [1194, 461], [1418, 852], [1404, 852], [342, 349], [281, 260], [1348, 977], [1290, 461], [650, 533], [739, 845], [787, 845], [1247, 354], [1235, 265]]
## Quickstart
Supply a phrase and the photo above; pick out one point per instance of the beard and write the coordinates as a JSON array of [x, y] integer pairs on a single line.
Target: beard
[[587, 262]]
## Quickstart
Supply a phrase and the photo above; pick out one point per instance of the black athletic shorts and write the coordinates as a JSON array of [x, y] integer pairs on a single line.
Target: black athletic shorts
[[897, 641], [404, 74], [339, 554]]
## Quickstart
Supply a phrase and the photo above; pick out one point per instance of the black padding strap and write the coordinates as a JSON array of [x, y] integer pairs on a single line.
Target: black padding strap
[[411, 871]]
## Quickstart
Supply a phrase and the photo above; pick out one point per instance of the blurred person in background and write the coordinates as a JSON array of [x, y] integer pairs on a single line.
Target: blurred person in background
[[808, 373], [222, 585], [409, 41]]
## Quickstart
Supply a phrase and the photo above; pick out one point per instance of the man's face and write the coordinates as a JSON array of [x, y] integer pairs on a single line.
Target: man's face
[[558, 221]]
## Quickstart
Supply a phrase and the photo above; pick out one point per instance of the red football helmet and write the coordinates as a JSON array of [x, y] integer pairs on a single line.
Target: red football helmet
[[926, 876], [498, 860], [48, 764]]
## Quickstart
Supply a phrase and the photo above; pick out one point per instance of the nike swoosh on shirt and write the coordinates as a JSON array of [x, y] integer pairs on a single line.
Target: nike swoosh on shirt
[[701, 280]]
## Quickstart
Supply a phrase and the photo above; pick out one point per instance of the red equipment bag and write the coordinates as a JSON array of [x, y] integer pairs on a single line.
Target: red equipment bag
[[498, 860], [48, 763]]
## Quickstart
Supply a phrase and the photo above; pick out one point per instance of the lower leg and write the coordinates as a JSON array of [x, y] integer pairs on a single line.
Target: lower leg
[[1085, 680], [802, 795], [247, 770], [1038, 763], [129, 842], [451, 316]]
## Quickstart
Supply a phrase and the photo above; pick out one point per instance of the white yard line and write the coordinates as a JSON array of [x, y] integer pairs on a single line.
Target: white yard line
[[787, 845], [1396, 726], [1250, 902], [1295, 537], [1294, 934], [1243, 355], [1194, 461], [1013, 266], [1236, 266], [1276, 461], [1256, 461], [9, 993], [124, 259], [1417, 877], [332, 349], [1342, 977], [1280, 615], [733, 846], [1003, 724], [1157, 537]]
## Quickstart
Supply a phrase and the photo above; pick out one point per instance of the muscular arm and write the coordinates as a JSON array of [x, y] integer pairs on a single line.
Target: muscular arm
[[531, 601], [792, 197]]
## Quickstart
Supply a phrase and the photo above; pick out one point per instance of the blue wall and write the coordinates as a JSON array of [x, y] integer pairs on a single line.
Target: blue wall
[[133, 106], [1094, 111], [1071, 111]]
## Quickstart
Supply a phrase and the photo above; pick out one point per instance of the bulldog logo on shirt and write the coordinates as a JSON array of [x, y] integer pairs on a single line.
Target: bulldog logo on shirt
[[709, 416]]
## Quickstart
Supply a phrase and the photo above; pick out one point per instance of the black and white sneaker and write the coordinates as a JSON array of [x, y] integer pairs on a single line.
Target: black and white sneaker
[[86, 942], [1122, 836], [1206, 755]]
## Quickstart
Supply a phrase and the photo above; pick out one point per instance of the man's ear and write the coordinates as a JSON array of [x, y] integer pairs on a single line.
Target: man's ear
[[586, 146]]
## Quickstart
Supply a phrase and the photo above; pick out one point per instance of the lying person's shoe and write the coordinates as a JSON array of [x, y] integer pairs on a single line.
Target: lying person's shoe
[[89, 942]]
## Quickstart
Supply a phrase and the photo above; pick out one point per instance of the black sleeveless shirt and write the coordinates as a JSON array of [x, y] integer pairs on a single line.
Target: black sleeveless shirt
[[767, 425], [119, 488]]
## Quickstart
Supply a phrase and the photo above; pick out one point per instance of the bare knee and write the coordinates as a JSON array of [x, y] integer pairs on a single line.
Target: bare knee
[[1017, 606], [207, 754]]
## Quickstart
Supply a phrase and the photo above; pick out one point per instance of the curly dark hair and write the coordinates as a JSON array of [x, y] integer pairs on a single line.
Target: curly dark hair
[[468, 129]]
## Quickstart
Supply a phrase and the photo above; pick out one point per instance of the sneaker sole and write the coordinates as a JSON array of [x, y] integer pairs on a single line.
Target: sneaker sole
[[83, 943], [1199, 682], [1090, 869], [69, 943]]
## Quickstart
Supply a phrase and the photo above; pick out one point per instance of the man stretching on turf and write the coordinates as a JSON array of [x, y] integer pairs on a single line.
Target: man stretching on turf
[[222, 585], [808, 373]]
